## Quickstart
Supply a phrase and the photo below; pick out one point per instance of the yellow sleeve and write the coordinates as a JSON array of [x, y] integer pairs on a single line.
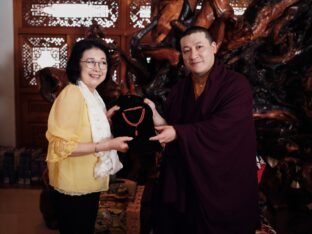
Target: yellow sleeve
[[64, 123]]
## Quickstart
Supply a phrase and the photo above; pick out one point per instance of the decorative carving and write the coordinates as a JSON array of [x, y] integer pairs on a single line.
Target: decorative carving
[[70, 13], [40, 52], [140, 13]]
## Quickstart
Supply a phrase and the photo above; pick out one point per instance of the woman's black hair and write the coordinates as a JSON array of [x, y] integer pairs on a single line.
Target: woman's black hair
[[73, 68]]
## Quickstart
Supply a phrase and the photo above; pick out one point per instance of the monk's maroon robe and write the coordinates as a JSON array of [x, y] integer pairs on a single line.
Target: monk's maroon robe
[[208, 174]]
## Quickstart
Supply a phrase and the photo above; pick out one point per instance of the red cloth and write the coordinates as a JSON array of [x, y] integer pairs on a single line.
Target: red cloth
[[260, 172], [260, 167], [208, 175]]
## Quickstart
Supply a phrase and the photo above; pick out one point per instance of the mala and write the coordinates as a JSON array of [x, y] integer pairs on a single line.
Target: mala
[[136, 133]]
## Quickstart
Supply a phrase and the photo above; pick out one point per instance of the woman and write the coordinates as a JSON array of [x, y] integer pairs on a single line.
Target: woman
[[82, 153]]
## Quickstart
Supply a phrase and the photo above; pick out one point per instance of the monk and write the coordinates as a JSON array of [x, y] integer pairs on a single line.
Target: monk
[[208, 181]]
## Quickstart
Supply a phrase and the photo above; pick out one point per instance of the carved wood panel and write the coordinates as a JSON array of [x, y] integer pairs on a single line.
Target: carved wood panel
[[34, 113], [71, 13], [39, 51]]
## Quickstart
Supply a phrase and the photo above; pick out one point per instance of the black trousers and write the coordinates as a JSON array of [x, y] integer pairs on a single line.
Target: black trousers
[[76, 214]]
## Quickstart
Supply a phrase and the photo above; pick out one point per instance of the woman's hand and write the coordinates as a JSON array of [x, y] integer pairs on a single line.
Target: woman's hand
[[111, 112], [118, 143]]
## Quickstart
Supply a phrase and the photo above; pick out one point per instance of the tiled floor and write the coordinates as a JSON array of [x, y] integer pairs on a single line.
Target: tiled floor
[[19, 212]]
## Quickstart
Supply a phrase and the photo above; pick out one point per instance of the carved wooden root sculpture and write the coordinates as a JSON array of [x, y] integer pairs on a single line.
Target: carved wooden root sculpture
[[51, 81], [167, 12]]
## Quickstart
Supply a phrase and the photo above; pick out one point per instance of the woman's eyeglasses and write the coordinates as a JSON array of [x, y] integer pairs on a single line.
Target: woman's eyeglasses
[[92, 64]]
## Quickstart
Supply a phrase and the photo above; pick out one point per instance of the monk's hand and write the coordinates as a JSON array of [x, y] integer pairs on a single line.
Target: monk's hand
[[157, 118], [166, 134], [111, 112], [150, 103]]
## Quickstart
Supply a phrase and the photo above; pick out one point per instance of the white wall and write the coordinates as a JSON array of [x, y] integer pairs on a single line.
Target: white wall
[[7, 98]]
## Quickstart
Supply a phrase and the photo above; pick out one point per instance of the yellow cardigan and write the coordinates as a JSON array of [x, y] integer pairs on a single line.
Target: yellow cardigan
[[68, 125]]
